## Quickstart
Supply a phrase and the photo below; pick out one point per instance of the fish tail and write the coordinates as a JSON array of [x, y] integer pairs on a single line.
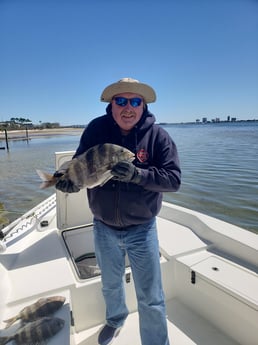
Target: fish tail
[[47, 184], [48, 179]]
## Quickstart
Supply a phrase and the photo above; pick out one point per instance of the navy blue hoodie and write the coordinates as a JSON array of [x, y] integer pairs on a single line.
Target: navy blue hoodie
[[120, 204]]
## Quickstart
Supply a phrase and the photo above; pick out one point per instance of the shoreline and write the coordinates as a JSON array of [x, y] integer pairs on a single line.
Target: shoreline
[[37, 133]]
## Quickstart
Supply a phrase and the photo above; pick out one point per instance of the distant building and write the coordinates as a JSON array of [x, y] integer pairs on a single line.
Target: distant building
[[204, 119]]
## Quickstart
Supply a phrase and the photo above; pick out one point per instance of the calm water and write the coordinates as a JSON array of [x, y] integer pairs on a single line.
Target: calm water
[[219, 165]]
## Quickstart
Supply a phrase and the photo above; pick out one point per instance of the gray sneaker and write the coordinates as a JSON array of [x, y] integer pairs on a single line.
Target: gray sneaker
[[108, 334]]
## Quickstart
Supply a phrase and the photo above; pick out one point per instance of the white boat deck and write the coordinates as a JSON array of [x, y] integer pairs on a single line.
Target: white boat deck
[[184, 326], [209, 271]]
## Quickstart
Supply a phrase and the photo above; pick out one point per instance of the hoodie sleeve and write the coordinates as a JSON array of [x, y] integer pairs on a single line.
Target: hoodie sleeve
[[163, 173]]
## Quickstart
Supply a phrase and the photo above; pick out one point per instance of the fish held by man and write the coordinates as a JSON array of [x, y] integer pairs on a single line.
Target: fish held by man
[[90, 169], [43, 307], [35, 332]]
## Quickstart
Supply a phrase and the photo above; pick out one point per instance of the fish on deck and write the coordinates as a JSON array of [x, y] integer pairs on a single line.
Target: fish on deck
[[43, 307], [90, 169], [35, 332]]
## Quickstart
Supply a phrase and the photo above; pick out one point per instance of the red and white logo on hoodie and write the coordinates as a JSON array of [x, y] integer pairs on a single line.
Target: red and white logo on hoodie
[[142, 155]]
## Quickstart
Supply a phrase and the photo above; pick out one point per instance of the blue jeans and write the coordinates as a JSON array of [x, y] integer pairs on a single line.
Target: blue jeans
[[140, 242]]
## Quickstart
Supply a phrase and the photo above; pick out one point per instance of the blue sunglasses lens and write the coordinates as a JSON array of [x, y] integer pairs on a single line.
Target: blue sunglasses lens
[[122, 101], [135, 102]]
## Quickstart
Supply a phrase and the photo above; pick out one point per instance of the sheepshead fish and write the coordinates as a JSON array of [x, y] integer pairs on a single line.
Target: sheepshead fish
[[43, 307], [90, 169], [35, 332]]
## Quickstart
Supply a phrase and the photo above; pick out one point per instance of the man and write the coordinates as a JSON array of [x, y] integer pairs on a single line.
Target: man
[[125, 207]]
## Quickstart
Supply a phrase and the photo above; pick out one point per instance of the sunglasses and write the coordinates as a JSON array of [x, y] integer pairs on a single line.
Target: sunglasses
[[122, 101]]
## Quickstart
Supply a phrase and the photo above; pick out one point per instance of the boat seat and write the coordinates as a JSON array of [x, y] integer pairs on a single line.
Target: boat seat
[[212, 286], [224, 274], [228, 276], [168, 229]]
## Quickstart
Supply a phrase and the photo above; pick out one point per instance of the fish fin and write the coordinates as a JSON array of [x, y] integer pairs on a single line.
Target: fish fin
[[107, 176], [48, 179], [10, 321]]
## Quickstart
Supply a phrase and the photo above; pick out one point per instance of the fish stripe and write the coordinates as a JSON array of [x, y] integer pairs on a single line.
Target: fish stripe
[[91, 159], [78, 173], [22, 337], [47, 331], [34, 334]]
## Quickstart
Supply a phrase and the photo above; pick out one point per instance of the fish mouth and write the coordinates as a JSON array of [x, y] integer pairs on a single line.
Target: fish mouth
[[131, 157]]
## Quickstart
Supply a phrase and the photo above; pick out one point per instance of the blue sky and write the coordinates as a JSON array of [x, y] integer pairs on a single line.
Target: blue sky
[[201, 57]]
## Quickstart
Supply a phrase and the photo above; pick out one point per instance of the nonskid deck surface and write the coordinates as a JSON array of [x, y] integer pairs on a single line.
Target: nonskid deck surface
[[184, 326]]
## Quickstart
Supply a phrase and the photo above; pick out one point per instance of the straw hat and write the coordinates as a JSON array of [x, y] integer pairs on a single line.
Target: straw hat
[[128, 85]]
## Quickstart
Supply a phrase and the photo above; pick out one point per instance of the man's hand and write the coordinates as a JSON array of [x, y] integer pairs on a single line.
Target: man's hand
[[62, 169], [67, 186], [126, 172]]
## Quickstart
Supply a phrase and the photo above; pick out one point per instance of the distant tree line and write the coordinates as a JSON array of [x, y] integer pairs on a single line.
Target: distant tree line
[[20, 122]]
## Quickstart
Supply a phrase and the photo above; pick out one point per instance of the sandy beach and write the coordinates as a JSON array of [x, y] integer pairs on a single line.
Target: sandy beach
[[36, 133]]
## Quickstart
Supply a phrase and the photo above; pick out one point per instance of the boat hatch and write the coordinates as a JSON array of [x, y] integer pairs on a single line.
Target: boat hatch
[[237, 281], [80, 245]]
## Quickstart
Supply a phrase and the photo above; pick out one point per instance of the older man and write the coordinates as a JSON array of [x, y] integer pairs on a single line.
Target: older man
[[125, 208]]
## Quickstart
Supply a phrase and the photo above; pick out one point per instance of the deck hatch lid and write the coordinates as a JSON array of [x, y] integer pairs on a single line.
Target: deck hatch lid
[[237, 281]]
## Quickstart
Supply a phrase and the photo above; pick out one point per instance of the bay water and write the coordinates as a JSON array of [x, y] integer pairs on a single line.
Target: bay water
[[219, 171]]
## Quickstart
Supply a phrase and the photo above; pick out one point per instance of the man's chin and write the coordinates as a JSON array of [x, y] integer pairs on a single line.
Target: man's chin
[[128, 121]]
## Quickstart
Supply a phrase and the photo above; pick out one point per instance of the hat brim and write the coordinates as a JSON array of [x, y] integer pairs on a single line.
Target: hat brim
[[141, 89]]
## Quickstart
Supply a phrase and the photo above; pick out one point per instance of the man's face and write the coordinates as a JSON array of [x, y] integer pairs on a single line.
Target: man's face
[[128, 115]]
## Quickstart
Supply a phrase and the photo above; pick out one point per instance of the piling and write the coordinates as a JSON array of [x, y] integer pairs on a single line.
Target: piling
[[6, 139], [27, 134]]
